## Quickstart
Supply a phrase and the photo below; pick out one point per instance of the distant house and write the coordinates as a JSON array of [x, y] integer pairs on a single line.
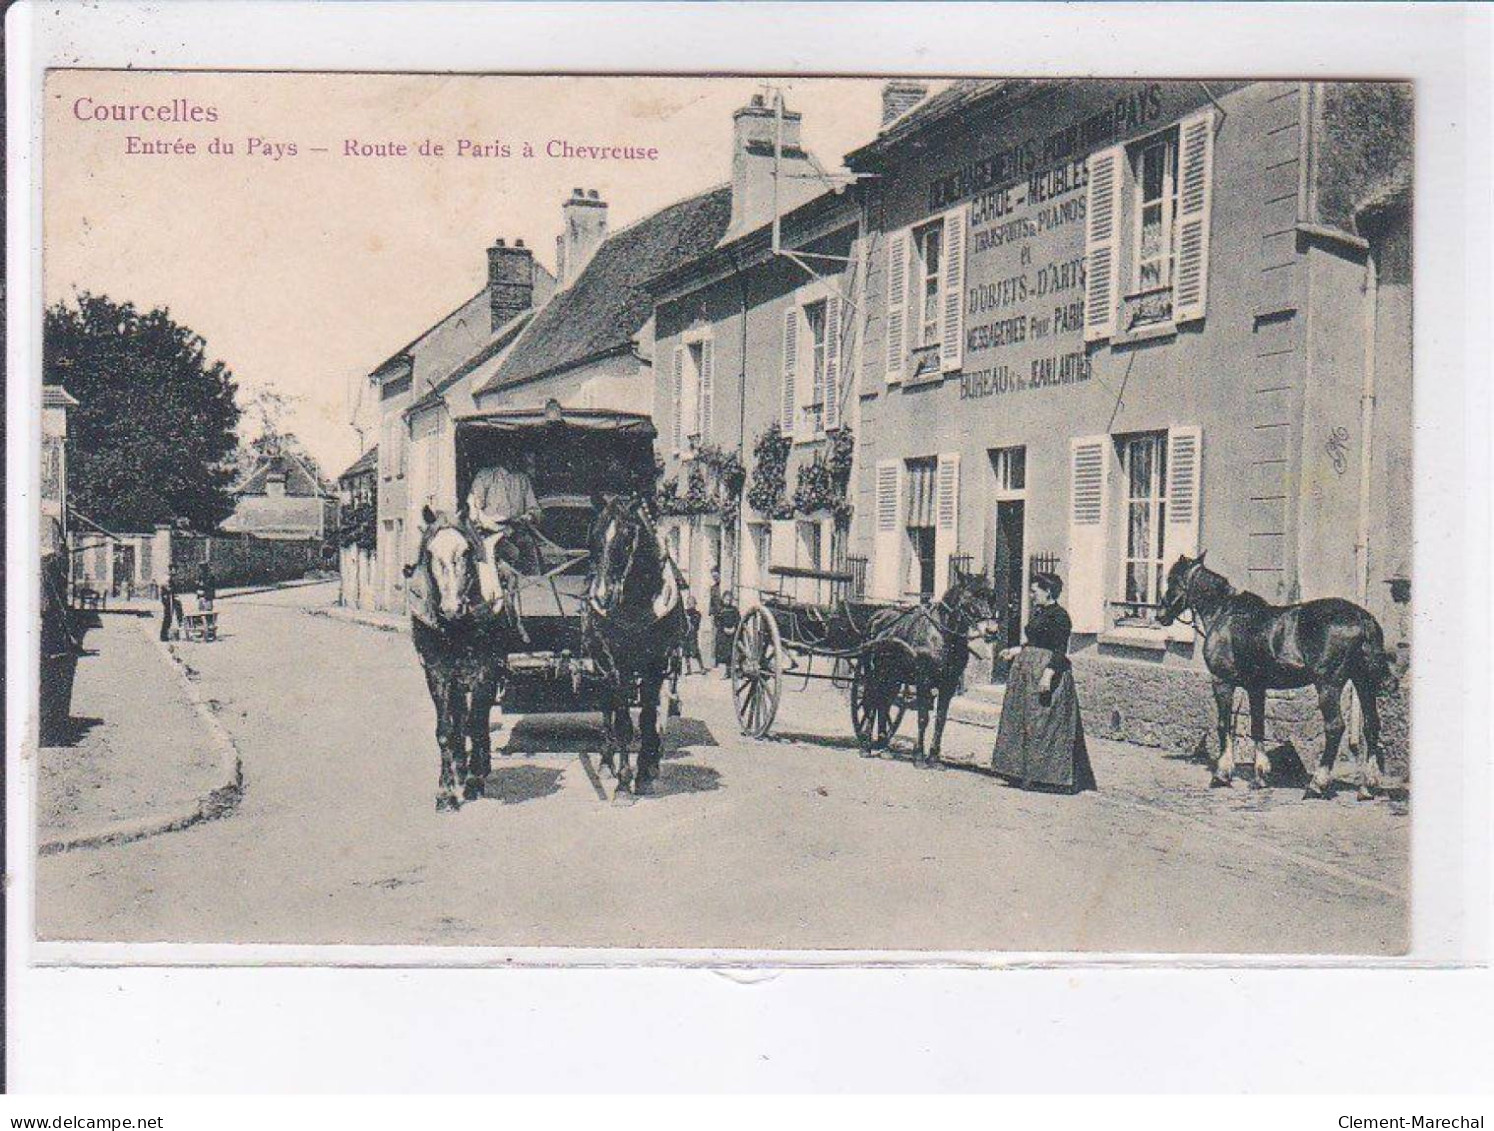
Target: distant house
[[358, 488], [409, 464], [282, 499]]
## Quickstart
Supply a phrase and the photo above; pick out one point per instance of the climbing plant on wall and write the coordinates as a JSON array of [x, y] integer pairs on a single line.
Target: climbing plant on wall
[[768, 492], [823, 483]]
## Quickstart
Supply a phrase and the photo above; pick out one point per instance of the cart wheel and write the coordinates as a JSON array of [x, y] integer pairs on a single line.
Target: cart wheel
[[756, 671], [874, 733]]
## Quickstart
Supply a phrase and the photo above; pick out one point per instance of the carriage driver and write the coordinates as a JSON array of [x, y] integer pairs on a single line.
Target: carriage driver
[[501, 506]]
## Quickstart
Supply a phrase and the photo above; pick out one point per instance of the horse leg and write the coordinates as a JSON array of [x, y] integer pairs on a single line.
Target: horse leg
[[479, 733], [448, 736], [1258, 736], [622, 716], [1224, 703], [1374, 755], [923, 719], [1330, 703], [609, 739], [649, 746], [941, 715]]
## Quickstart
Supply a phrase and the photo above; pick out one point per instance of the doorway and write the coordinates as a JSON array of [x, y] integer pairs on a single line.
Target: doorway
[[1009, 556]]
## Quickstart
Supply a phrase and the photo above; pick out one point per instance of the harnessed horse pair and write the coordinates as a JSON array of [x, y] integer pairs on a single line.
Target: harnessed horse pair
[[633, 624]]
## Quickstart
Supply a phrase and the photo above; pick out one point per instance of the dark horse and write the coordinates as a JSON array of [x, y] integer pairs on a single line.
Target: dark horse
[[1247, 643], [634, 625], [463, 644], [926, 648]]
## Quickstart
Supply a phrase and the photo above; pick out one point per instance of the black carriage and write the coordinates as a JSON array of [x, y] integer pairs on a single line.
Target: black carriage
[[782, 636], [581, 457]]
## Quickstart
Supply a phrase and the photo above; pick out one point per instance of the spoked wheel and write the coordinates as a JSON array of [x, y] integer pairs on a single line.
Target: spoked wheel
[[756, 671], [874, 729]]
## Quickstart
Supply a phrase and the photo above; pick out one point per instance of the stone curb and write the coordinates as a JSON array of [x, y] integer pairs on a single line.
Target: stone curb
[[219, 802], [339, 612]]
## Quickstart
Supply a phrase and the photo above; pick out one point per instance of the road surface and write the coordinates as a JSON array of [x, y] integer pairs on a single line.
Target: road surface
[[793, 844]]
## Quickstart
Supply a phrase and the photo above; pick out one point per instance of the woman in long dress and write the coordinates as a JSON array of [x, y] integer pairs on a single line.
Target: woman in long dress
[[1041, 739]]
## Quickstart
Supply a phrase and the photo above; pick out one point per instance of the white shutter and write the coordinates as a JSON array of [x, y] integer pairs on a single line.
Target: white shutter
[[789, 401], [677, 396], [1101, 243], [897, 304], [952, 328], [1184, 478], [707, 389], [1089, 465], [832, 364], [690, 395], [946, 517], [804, 381], [887, 544], [1195, 196]]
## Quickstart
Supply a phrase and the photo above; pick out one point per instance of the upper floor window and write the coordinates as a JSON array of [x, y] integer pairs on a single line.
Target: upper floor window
[[812, 386], [693, 400], [1156, 170], [925, 281], [1144, 471], [929, 242], [1146, 240]]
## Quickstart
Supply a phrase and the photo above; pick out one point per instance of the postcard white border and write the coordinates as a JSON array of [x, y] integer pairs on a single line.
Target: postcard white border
[[1444, 49]]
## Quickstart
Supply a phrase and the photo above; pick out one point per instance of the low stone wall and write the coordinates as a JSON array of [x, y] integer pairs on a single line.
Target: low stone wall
[[1173, 708]]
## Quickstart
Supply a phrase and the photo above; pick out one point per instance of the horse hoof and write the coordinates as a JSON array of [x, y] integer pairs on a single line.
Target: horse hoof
[[447, 803], [1257, 782], [1313, 793], [474, 789], [1365, 793], [1217, 782]]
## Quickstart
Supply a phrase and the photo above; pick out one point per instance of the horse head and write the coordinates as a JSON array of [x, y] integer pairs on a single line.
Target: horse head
[[971, 601], [1185, 583], [446, 567], [625, 561]]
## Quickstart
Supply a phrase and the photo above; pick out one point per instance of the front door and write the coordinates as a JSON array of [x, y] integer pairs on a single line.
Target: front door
[[124, 568], [1007, 575]]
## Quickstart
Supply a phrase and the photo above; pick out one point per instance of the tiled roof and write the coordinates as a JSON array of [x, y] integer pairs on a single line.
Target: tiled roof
[[601, 311], [368, 461], [55, 396], [299, 481]]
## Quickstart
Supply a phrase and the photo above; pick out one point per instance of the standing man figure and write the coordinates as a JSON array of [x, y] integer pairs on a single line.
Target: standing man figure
[[501, 507], [168, 607], [207, 588]]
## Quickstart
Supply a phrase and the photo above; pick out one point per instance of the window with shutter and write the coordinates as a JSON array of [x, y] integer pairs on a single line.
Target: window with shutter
[[886, 566], [897, 305], [946, 517], [677, 399], [1088, 487], [1185, 478], [952, 328], [789, 402], [812, 379], [1195, 197], [707, 367], [1101, 254], [832, 398]]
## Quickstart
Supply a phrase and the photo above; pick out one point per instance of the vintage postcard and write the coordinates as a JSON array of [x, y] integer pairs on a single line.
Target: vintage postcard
[[631, 514]]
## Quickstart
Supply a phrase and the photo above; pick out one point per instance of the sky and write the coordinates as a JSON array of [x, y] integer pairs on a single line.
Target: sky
[[303, 272]]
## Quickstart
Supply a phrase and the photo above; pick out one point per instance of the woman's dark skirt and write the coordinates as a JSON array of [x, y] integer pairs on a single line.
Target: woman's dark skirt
[[1041, 739]]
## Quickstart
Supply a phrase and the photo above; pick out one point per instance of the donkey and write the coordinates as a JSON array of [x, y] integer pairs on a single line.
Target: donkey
[[1248, 643], [634, 627], [463, 644], [927, 647]]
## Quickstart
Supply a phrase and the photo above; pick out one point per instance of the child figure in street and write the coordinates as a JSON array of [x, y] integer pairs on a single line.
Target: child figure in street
[[692, 639]]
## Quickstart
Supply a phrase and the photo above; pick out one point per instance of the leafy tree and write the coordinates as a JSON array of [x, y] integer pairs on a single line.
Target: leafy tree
[[266, 410], [153, 437]]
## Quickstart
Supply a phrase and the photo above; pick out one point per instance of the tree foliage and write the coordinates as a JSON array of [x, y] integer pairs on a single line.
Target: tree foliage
[[153, 437]]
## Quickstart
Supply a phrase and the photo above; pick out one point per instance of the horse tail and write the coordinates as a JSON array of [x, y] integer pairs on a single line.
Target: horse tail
[[1377, 660]]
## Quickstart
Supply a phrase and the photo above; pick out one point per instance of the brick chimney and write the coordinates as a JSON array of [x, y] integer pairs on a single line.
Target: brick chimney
[[583, 227], [754, 128], [510, 281], [899, 96]]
